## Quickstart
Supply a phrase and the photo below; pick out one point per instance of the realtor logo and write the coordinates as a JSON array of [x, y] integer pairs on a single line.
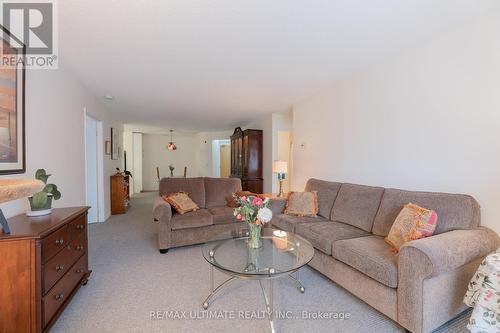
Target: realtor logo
[[31, 23], [34, 23]]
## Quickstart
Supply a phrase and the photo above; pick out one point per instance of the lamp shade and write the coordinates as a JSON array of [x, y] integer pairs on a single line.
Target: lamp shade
[[280, 167]]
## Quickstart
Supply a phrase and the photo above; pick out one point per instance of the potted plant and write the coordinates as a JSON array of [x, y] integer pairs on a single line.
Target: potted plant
[[41, 202]]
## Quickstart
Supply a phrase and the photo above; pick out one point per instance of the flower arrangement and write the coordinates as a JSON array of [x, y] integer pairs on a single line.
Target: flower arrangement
[[255, 212]]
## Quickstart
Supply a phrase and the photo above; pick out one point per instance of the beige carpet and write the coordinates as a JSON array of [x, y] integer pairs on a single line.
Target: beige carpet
[[131, 278]]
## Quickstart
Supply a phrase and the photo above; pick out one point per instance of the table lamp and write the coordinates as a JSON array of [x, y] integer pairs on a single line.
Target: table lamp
[[12, 189], [280, 167]]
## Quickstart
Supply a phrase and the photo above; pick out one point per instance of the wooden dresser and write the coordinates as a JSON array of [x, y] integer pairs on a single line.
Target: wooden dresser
[[44, 261], [247, 159], [120, 193]]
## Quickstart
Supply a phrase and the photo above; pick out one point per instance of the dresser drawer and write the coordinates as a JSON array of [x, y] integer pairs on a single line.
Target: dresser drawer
[[79, 246], [63, 289], [55, 242], [78, 227], [56, 267]]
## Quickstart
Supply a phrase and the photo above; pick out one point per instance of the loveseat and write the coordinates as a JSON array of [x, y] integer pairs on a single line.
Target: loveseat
[[423, 286], [212, 219]]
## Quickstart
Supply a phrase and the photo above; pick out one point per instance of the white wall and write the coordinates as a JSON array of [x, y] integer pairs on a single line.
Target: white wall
[[427, 120], [283, 154], [156, 154], [281, 122], [194, 150], [55, 136], [137, 161], [204, 156]]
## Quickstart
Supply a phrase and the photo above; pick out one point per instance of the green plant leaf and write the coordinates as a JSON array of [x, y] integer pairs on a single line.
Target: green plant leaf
[[56, 194], [52, 189], [39, 200], [49, 188], [42, 175]]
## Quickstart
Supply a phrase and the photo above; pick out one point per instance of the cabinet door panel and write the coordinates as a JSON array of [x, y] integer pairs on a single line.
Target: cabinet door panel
[[16, 271], [239, 151]]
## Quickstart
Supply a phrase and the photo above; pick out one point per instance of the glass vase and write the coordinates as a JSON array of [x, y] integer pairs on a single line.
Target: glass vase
[[254, 241]]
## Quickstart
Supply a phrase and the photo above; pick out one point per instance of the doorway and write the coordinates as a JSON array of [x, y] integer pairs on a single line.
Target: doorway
[[221, 158], [225, 161], [94, 178]]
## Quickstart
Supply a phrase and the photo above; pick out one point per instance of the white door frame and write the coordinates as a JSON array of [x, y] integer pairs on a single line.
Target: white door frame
[[101, 217]]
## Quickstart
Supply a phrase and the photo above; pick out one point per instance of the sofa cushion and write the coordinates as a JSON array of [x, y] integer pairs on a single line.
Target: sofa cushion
[[357, 205], [288, 222], [222, 215], [199, 218], [370, 255], [323, 234], [455, 211], [194, 187], [327, 192], [218, 189]]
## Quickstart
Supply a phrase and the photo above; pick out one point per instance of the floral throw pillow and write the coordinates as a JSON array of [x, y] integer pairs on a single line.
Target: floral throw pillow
[[413, 222], [302, 204], [181, 202]]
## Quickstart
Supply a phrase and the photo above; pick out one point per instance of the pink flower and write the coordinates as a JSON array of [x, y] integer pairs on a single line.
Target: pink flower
[[239, 216], [243, 198], [257, 201]]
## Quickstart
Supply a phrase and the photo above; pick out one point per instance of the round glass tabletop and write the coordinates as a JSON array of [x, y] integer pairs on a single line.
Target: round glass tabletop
[[281, 253]]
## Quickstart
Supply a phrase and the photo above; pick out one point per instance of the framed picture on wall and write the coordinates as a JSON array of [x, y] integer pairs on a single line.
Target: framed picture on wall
[[115, 148], [107, 147], [12, 85]]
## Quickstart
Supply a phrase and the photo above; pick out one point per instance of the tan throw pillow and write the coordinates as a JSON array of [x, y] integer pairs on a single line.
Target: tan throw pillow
[[413, 222], [302, 204], [181, 202]]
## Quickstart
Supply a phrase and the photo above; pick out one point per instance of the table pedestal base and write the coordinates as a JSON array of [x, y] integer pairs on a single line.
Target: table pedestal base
[[268, 297]]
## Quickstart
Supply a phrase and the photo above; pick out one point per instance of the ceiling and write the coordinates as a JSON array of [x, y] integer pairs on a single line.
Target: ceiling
[[215, 64]]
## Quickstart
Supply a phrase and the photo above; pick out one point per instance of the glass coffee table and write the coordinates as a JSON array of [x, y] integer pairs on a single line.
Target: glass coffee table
[[281, 255]]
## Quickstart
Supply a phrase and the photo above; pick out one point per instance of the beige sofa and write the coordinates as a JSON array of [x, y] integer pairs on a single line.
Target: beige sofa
[[213, 218], [422, 287]]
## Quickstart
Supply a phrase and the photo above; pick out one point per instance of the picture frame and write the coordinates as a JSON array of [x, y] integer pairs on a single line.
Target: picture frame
[[12, 105], [107, 147], [115, 148]]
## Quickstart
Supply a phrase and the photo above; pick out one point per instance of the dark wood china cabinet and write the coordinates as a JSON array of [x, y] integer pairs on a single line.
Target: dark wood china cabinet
[[246, 159]]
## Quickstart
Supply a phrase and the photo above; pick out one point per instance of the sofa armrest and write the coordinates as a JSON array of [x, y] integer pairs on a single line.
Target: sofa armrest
[[162, 210], [448, 251], [277, 205], [444, 256]]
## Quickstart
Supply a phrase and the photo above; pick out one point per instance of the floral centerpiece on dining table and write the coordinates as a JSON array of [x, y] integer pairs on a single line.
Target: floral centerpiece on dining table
[[255, 212]]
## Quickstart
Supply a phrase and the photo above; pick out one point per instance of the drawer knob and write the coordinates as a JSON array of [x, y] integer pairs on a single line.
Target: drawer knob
[[59, 268], [79, 226], [79, 248], [59, 241], [59, 297], [79, 271]]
